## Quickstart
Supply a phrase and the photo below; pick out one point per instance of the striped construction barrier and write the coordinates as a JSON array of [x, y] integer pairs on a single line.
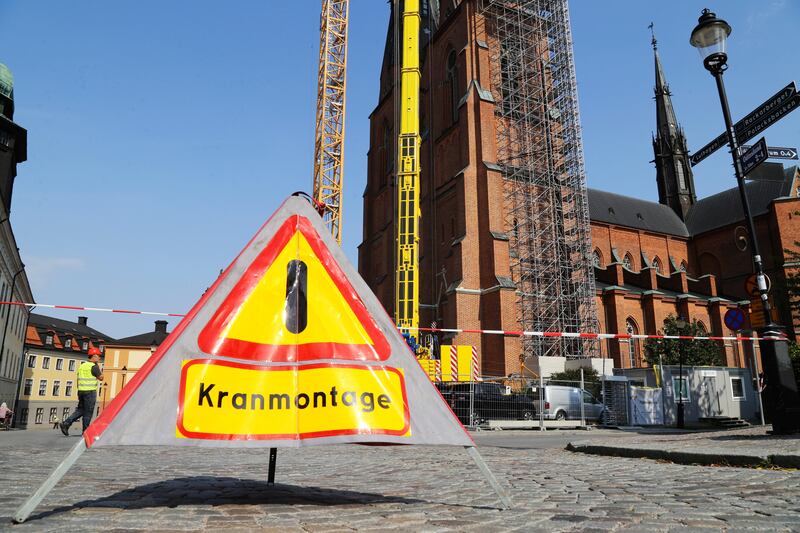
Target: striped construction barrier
[[507, 333]]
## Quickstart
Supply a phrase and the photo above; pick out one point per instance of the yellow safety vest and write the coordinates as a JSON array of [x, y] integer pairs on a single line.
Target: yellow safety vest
[[86, 381]]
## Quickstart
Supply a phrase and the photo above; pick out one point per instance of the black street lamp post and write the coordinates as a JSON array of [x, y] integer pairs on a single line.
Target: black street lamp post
[[681, 323], [710, 38]]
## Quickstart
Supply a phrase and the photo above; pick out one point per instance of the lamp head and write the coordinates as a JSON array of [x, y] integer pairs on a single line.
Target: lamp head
[[710, 37]]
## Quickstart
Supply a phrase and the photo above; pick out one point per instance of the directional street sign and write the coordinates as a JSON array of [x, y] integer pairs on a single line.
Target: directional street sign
[[776, 152], [768, 119], [754, 156], [781, 103], [780, 152]]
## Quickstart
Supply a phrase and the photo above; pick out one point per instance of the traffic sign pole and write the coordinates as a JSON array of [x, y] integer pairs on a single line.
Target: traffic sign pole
[[782, 389]]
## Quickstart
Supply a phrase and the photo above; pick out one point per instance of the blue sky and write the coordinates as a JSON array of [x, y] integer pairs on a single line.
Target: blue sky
[[162, 134]]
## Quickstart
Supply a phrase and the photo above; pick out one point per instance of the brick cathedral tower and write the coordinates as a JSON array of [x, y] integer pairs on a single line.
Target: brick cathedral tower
[[504, 241], [673, 171]]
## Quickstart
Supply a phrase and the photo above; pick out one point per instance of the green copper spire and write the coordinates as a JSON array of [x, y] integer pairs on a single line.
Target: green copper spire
[[6, 82]]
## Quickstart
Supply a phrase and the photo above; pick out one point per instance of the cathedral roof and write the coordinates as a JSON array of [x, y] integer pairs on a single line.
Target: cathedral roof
[[634, 213], [768, 182]]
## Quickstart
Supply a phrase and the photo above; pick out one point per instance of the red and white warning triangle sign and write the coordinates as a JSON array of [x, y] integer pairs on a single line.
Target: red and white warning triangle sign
[[289, 347], [294, 303]]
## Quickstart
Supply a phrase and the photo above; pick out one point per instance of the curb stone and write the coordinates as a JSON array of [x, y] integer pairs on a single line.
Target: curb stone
[[783, 461]]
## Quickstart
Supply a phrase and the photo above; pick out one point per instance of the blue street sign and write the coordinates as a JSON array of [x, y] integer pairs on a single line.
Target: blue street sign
[[734, 319]]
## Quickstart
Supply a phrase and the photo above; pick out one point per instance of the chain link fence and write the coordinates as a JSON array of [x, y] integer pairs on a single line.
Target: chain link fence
[[519, 402]]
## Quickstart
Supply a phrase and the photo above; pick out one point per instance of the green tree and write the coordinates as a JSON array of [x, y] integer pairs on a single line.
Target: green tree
[[794, 355], [695, 353]]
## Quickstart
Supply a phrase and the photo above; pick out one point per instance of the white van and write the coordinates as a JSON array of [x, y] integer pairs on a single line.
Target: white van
[[564, 403]]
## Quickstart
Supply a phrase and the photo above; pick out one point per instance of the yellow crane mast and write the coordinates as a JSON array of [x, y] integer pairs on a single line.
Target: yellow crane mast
[[329, 138], [408, 176]]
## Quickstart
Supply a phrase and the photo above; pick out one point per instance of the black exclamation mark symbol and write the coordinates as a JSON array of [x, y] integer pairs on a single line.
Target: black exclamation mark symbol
[[296, 300]]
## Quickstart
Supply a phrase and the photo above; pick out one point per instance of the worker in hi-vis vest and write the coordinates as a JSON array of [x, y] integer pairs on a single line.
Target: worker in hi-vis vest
[[89, 377]]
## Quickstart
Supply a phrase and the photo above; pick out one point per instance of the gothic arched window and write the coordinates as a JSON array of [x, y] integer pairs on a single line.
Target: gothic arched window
[[657, 264], [452, 83], [633, 344], [681, 178], [597, 258], [388, 162], [627, 261]]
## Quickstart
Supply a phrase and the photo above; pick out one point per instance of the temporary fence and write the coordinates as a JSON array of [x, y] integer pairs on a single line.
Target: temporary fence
[[494, 402], [455, 331]]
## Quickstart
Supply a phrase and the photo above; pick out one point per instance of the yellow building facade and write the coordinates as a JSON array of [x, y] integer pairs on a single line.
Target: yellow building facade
[[54, 350]]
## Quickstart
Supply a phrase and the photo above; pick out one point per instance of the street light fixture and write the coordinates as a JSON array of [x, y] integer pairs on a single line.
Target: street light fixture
[[681, 323], [710, 38]]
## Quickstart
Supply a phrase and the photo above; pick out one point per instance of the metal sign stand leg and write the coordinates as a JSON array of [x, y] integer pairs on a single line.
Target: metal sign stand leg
[[55, 476], [273, 458], [484, 468]]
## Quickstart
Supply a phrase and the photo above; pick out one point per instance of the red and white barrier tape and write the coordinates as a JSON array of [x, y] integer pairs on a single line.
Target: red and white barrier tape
[[564, 334], [544, 334], [78, 308]]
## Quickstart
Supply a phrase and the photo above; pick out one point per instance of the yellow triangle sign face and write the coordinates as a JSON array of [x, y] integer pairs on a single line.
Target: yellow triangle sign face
[[294, 303]]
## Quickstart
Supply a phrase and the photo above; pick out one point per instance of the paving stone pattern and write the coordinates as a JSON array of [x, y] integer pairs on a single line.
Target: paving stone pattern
[[365, 488]]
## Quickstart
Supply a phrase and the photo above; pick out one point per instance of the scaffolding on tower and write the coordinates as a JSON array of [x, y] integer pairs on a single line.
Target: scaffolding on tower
[[541, 157], [329, 139]]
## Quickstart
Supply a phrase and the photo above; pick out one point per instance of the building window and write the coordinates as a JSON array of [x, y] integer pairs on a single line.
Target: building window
[[48, 340], [627, 261], [39, 415], [31, 361], [452, 83], [388, 155], [23, 418], [28, 387], [59, 364], [72, 365], [68, 389], [85, 345], [42, 387], [737, 389], [681, 387], [68, 343], [657, 264], [65, 414], [633, 344], [53, 414], [56, 387], [681, 177], [597, 259], [45, 362]]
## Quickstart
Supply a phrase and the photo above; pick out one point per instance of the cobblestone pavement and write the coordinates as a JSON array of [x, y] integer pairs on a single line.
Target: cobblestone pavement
[[367, 488]]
